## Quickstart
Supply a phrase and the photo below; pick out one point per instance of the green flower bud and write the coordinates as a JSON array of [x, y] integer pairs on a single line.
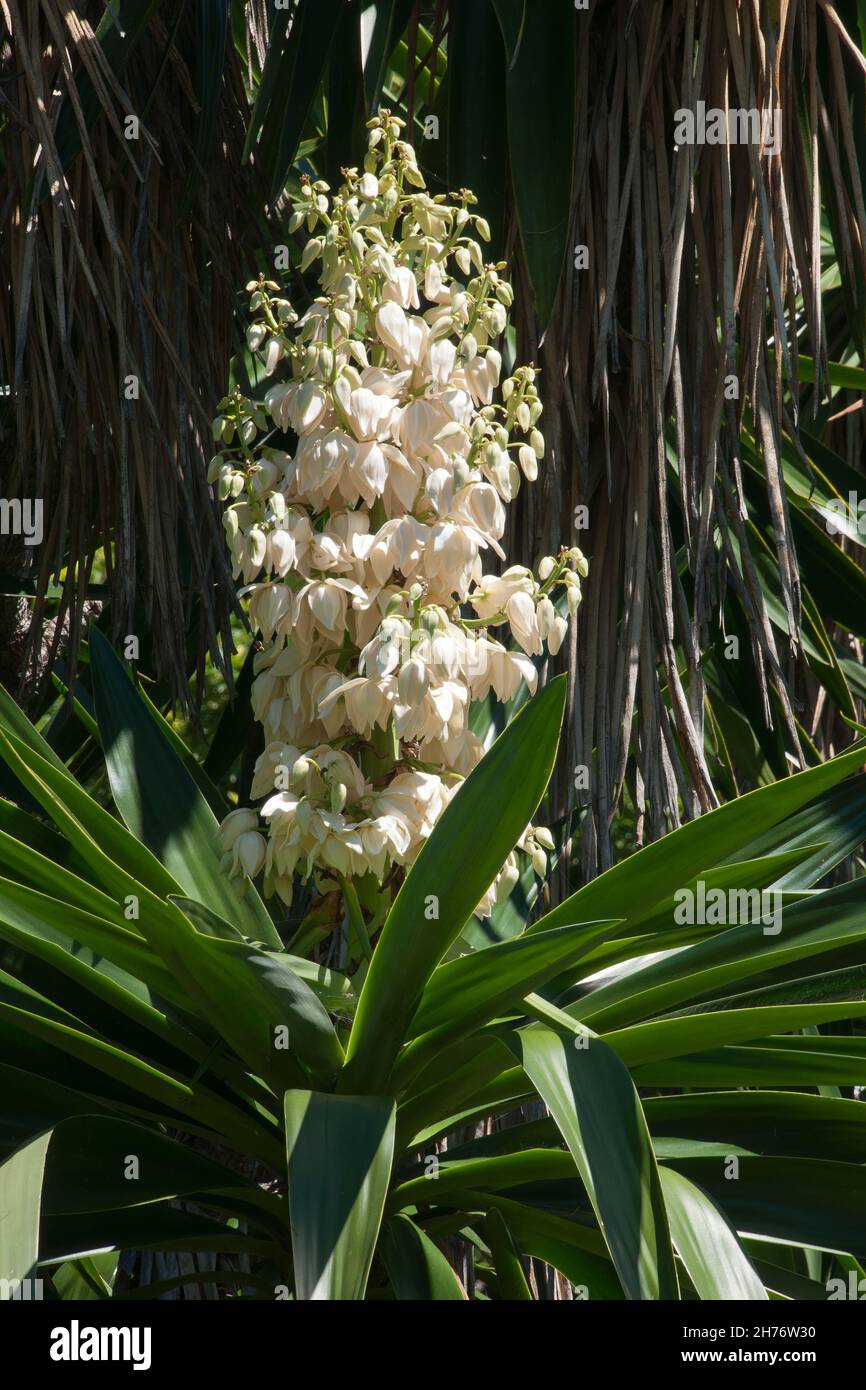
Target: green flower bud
[[312, 251], [301, 769], [493, 454], [539, 862]]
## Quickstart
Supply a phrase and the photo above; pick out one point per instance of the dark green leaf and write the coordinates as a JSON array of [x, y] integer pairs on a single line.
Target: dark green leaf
[[592, 1099], [340, 1150], [416, 1267], [159, 800], [709, 1249]]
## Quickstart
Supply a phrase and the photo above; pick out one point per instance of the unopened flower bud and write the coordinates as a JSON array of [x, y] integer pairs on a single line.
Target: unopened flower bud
[[460, 473], [493, 455], [494, 365], [508, 878], [312, 250], [546, 614], [250, 851], [528, 462], [433, 280], [539, 862], [300, 771], [556, 636], [496, 319], [256, 545], [432, 618], [572, 597]]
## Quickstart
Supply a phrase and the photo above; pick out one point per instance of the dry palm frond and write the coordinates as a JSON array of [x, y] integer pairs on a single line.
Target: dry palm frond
[[705, 267], [121, 258]]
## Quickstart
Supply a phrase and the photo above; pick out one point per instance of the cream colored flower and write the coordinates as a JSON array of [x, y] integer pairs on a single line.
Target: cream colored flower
[[401, 287], [406, 335], [493, 594]]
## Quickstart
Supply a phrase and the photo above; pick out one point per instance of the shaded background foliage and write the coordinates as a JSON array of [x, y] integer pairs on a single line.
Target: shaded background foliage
[[705, 525]]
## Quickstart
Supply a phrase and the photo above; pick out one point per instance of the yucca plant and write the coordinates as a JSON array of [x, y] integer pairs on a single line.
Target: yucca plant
[[175, 1080]]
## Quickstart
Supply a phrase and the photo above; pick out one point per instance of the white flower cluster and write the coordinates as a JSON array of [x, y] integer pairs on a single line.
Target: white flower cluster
[[363, 498]]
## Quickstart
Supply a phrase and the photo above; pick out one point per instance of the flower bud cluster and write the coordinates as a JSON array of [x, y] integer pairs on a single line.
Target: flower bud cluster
[[364, 496]]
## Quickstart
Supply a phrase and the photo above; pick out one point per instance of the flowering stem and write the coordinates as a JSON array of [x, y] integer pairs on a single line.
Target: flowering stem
[[493, 621], [356, 915], [403, 657]]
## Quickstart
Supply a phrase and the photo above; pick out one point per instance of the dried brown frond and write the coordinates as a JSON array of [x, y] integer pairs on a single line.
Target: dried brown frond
[[698, 256], [121, 259]]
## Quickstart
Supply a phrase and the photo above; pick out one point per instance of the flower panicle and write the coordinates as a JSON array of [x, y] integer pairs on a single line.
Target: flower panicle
[[366, 496]]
